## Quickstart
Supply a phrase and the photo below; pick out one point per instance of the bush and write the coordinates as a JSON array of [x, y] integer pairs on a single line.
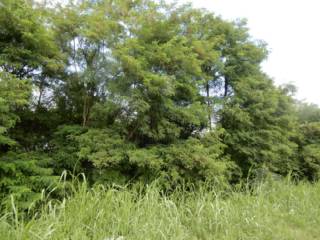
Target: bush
[[24, 176], [187, 161], [310, 150]]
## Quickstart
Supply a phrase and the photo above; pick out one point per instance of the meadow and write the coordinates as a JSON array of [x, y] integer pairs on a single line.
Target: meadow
[[273, 210]]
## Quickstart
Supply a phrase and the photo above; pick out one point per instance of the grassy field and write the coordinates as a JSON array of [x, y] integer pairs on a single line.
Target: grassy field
[[277, 210]]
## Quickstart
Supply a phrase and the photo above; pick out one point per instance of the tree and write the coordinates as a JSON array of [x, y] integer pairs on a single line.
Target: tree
[[14, 94], [127, 90], [308, 113], [261, 127], [309, 144], [191, 161], [159, 82], [86, 34], [28, 52], [22, 175], [227, 54], [26, 45]]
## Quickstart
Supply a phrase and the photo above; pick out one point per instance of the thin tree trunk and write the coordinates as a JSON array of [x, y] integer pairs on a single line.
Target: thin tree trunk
[[40, 97], [41, 89], [226, 86], [209, 105], [85, 111]]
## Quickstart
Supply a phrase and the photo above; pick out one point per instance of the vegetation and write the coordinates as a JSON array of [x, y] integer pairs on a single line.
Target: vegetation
[[276, 210], [131, 92]]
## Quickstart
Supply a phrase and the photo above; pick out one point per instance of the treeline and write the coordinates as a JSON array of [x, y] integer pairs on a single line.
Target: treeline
[[128, 91]]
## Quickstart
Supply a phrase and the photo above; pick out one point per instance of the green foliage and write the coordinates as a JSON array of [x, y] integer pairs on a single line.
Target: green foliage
[[133, 91], [85, 34], [160, 82], [25, 43], [35, 128], [191, 161], [308, 112], [64, 149], [13, 95], [276, 210], [261, 126], [310, 150], [106, 152], [188, 162], [24, 176]]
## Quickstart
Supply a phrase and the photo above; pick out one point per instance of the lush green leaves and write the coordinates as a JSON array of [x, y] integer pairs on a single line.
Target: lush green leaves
[[25, 175], [14, 94], [310, 150], [25, 43], [190, 161], [127, 91], [261, 126]]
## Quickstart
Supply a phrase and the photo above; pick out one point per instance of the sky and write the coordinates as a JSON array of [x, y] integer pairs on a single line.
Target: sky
[[291, 29]]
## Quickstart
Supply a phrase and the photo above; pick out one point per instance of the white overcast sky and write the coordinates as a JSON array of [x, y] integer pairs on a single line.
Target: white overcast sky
[[292, 30]]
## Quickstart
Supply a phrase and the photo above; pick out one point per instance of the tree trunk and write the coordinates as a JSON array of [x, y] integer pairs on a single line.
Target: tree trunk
[[86, 110], [209, 105], [226, 86]]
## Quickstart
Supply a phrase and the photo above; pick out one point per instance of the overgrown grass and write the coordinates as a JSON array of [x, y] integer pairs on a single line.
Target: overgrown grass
[[276, 210]]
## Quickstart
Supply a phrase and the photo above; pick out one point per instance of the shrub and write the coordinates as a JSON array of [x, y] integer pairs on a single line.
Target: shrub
[[186, 161]]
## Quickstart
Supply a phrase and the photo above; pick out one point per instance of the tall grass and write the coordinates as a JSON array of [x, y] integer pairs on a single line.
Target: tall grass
[[274, 210]]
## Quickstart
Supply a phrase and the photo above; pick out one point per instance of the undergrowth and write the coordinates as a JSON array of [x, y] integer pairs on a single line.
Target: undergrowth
[[272, 210]]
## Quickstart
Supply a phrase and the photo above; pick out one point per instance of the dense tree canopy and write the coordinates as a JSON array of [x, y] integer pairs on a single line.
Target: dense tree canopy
[[128, 91]]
